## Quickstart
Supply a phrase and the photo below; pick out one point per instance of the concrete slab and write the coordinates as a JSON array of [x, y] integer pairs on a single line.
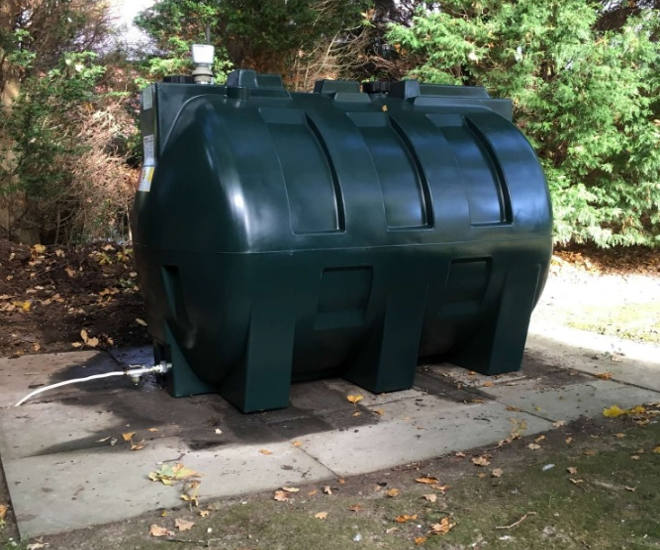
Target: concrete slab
[[629, 362], [416, 434], [64, 491], [571, 402], [63, 473]]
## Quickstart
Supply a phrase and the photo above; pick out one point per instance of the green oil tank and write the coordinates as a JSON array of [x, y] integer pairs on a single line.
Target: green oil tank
[[284, 236]]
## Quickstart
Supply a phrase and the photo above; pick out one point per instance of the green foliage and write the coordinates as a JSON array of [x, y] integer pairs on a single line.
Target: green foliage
[[587, 99], [40, 141]]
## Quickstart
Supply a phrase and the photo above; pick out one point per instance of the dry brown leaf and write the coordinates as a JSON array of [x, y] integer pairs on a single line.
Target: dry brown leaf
[[152, 429], [512, 408], [539, 439], [459, 454], [158, 531], [629, 488], [431, 497], [391, 530], [392, 493], [39, 248], [496, 472], [534, 446], [265, 452], [572, 470], [620, 435], [355, 508], [441, 488], [480, 460], [327, 490], [297, 443], [137, 446], [487, 384], [403, 518], [281, 496], [321, 515], [312, 492], [604, 375], [76, 344], [379, 412], [354, 398], [634, 457], [590, 452], [127, 436], [656, 450], [183, 524], [568, 440], [576, 481], [419, 540], [559, 423], [427, 480], [443, 527], [291, 489], [4, 508], [356, 413], [204, 513]]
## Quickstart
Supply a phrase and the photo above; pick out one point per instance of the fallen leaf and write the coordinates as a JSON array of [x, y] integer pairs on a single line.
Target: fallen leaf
[[152, 429], [141, 322], [534, 446], [354, 398], [379, 412], [568, 440], [559, 423], [321, 515], [656, 450], [312, 492], [25, 306], [614, 411], [217, 431], [487, 384], [76, 344], [496, 472], [427, 480], [431, 497], [137, 446], [291, 489], [169, 474], [638, 409], [355, 508], [443, 527], [265, 452], [183, 524], [70, 272], [419, 540], [392, 493], [590, 452], [297, 443], [572, 470], [403, 518], [39, 248], [204, 513], [327, 490], [620, 435], [634, 457], [459, 454], [576, 481], [37, 545], [480, 460], [158, 531], [539, 439], [441, 488], [512, 408], [356, 413], [36, 346], [391, 530], [631, 489], [127, 436], [3, 511], [281, 496]]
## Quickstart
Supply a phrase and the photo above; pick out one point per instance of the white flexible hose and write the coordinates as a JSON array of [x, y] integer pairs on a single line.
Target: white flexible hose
[[135, 372]]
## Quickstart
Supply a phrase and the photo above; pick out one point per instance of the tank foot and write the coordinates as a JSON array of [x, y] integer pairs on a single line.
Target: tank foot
[[498, 346], [181, 379], [263, 381], [388, 362]]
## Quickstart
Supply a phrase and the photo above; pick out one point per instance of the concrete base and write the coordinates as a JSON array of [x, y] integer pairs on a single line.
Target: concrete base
[[63, 473]]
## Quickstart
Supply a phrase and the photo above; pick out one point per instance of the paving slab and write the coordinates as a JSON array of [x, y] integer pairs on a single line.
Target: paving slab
[[64, 472]]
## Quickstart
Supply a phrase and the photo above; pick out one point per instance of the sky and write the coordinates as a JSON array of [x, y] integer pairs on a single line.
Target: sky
[[123, 11]]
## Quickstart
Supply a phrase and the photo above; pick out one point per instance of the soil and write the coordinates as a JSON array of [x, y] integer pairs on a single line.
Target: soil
[[48, 295]]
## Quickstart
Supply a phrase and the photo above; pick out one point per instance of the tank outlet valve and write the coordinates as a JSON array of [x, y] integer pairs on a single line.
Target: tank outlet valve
[[202, 55]]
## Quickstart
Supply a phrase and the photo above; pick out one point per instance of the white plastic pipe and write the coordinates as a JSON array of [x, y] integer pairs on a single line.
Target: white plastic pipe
[[132, 372]]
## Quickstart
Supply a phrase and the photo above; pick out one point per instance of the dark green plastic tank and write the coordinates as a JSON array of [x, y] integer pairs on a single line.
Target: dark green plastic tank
[[285, 236]]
